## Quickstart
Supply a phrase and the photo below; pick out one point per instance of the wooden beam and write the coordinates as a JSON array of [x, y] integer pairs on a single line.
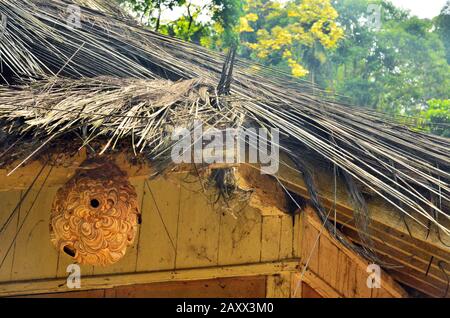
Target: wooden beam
[[383, 214], [23, 176], [408, 260], [317, 283], [388, 283], [111, 281], [278, 285], [413, 276]]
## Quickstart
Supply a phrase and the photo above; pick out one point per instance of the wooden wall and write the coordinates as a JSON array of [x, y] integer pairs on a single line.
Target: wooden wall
[[333, 270], [181, 229], [239, 287], [184, 237]]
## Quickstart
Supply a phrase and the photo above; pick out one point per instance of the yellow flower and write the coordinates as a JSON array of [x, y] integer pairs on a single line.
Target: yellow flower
[[244, 26], [252, 17], [287, 54], [296, 69]]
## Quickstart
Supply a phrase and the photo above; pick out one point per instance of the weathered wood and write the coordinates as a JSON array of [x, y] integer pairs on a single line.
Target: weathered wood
[[278, 285], [383, 215], [356, 261], [308, 292], [286, 237], [198, 229], [8, 204], [32, 258], [270, 240], [342, 269], [327, 261], [346, 275], [22, 177], [108, 281], [158, 231], [425, 287], [240, 237], [310, 244], [317, 283], [297, 239], [430, 271], [239, 287]]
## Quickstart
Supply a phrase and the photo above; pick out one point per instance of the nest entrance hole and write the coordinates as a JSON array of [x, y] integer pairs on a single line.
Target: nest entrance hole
[[95, 203]]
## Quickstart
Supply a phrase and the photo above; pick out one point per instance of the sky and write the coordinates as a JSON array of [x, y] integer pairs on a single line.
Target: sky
[[421, 8]]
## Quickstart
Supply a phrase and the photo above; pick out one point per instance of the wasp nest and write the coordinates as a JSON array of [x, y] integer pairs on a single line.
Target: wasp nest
[[95, 215]]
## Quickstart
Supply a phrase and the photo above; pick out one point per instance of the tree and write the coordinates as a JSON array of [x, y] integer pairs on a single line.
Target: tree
[[443, 28], [150, 11], [291, 35], [217, 31], [396, 69], [437, 117]]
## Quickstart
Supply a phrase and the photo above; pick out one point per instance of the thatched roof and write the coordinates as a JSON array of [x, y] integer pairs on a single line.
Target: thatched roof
[[112, 80]]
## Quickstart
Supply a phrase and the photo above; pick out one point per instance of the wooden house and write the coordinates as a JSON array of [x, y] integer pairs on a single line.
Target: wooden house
[[86, 115]]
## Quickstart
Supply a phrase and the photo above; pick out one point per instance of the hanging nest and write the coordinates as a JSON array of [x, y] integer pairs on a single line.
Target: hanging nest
[[95, 215]]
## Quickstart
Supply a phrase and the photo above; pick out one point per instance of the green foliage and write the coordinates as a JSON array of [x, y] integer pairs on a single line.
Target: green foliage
[[150, 10], [293, 35], [218, 32], [443, 28], [402, 69], [437, 117], [396, 69]]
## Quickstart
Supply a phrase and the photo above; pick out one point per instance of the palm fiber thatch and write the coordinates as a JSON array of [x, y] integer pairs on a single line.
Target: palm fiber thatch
[[114, 80]]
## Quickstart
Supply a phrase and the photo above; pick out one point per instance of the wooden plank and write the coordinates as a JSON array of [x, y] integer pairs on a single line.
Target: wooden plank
[[271, 234], [387, 239], [158, 233], [240, 287], [9, 201], [317, 283], [310, 246], [297, 239], [278, 285], [111, 281], [286, 237], [327, 261], [383, 214], [296, 287], [425, 287], [309, 292], [351, 280], [418, 277], [198, 229], [240, 237], [345, 276], [361, 288], [23, 176], [397, 239], [35, 256], [357, 261], [427, 269]]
